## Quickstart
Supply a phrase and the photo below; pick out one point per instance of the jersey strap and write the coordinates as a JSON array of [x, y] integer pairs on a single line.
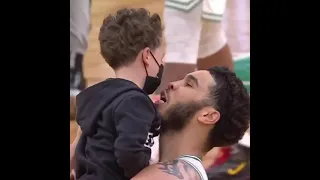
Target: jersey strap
[[195, 162]]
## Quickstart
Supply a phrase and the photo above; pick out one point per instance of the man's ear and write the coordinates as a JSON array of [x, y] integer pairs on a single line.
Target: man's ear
[[146, 55], [209, 115]]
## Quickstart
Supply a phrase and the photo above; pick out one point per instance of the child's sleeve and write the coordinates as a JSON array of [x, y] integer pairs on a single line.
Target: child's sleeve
[[133, 119]]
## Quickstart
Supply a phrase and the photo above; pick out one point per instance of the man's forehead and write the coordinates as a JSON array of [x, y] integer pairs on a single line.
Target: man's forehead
[[204, 77]]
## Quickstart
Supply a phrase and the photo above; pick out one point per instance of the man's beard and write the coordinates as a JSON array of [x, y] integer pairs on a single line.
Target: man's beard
[[179, 115]]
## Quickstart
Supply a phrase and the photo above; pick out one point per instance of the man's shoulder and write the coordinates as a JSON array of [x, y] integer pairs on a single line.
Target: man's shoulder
[[135, 97], [196, 164], [177, 169], [125, 91], [134, 101]]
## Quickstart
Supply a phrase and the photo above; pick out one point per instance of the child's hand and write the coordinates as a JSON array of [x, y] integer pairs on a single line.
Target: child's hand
[[72, 175], [72, 156]]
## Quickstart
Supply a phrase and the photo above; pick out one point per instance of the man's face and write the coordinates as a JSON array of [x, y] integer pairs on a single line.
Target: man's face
[[183, 99]]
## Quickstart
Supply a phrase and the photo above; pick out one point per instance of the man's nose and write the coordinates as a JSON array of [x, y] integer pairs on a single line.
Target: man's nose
[[172, 86]]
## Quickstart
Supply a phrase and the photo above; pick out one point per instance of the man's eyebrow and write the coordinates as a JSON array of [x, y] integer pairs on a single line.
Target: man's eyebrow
[[192, 78]]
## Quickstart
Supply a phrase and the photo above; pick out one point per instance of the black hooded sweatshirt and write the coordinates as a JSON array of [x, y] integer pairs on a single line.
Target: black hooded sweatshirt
[[118, 122]]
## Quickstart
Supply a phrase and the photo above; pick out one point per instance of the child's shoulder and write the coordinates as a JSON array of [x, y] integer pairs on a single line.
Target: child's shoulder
[[136, 96]]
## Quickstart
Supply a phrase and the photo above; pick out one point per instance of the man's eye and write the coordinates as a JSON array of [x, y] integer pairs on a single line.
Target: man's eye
[[188, 84]]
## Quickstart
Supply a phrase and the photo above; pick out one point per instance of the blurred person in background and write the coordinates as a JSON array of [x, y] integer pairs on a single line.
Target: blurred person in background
[[79, 32], [195, 38], [229, 163]]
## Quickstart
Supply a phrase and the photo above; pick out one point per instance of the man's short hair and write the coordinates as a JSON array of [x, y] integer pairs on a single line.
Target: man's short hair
[[230, 97], [124, 35]]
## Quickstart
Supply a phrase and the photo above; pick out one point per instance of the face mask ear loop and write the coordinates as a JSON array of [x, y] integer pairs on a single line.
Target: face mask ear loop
[[154, 58], [145, 68]]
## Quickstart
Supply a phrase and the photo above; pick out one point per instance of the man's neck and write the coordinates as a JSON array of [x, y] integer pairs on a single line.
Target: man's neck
[[174, 145], [128, 74]]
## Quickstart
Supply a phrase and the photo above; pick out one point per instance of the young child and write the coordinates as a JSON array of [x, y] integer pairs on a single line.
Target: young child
[[117, 118]]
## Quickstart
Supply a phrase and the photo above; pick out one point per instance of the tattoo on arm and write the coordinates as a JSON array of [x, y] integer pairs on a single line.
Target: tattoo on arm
[[171, 168], [176, 168], [187, 168]]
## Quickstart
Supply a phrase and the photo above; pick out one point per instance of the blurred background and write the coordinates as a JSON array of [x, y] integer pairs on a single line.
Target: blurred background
[[236, 22]]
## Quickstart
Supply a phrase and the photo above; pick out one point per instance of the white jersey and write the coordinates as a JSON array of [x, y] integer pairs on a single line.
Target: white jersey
[[193, 29], [79, 25], [245, 141], [195, 162]]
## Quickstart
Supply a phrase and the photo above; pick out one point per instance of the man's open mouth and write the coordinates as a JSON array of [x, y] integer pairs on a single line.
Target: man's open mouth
[[163, 96]]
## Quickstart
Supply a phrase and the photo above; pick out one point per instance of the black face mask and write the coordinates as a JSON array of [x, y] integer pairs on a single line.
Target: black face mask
[[152, 83]]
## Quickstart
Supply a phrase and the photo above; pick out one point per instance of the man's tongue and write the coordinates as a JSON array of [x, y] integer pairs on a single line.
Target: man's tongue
[[155, 98], [158, 102]]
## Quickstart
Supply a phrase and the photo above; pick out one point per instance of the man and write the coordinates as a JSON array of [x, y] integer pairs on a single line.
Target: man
[[79, 32], [208, 108], [195, 37]]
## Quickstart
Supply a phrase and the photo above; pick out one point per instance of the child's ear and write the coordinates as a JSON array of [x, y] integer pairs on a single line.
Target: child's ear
[[145, 55]]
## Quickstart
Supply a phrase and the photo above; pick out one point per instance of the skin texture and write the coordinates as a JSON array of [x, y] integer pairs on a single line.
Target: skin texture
[[170, 170]]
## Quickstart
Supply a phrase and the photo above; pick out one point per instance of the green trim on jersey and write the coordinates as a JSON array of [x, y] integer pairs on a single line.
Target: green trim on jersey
[[212, 16], [242, 69], [182, 5]]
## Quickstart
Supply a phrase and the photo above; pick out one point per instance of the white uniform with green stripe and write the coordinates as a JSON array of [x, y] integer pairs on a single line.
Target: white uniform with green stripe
[[195, 162], [193, 29]]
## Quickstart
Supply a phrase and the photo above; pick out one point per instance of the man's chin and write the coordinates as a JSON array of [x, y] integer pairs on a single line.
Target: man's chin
[[161, 106]]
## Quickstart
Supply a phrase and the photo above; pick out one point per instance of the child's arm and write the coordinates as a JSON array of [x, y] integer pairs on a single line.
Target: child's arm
[[73, 148], [133, 119]]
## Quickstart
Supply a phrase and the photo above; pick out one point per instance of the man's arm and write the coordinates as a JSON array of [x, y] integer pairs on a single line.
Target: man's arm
[[133, 119], [170, 170]]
